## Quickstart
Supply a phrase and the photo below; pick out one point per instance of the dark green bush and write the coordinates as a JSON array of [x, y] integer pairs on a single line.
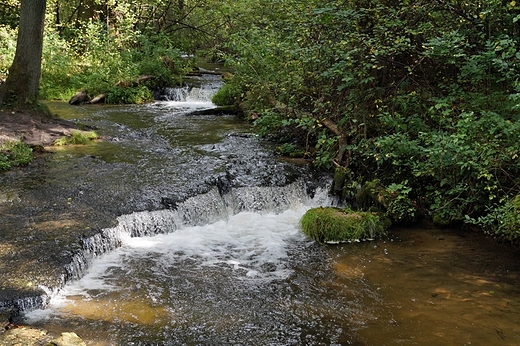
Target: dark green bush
[[14, 154], [133, 95], [228, 94]]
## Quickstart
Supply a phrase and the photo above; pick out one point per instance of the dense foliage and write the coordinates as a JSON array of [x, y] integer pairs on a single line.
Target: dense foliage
[[104, 46], [419, 96]]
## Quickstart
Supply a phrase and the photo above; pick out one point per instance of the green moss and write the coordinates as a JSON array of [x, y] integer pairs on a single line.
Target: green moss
[[371, 194], [340, 176], [332, 225], [77, 138], [394, 200], [439, 219]]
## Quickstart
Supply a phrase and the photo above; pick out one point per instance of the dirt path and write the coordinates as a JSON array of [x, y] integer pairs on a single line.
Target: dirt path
[[32, 128]]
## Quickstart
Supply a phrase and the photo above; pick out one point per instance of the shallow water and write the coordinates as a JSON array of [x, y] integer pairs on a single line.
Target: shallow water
[[256, 279], [151, 157]]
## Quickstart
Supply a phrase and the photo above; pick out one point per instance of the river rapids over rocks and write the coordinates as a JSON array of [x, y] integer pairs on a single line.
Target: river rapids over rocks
[[181, 229]]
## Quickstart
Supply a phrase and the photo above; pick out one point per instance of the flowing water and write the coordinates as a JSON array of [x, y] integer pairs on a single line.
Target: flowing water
[[227, 264]]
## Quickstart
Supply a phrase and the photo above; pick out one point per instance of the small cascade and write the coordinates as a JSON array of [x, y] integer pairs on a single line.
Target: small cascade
[[195, 211], [275, 199], [203, 91], [29, 303]]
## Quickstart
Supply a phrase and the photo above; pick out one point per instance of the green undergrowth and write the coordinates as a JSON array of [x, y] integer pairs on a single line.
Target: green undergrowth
[[87, 58], [424, 99], [334, 225], [228, 94], [77, 138], [14, 154]]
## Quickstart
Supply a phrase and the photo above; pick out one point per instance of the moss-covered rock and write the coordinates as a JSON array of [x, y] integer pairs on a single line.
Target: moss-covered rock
[[371, 194], [77, 138], [334, 225]]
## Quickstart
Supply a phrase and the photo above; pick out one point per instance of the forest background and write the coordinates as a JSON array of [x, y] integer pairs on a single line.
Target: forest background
[[413, 104]]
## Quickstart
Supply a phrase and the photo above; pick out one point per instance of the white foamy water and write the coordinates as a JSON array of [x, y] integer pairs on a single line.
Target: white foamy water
[[183, 106], [248, 246], [189, 98], [243, 243]]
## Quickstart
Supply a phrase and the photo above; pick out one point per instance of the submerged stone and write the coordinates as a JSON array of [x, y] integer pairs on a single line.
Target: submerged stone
[[67, 339]]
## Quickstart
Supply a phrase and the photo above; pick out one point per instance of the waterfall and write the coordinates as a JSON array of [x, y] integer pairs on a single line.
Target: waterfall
[[202, 91], [220, 203], [195, 211]]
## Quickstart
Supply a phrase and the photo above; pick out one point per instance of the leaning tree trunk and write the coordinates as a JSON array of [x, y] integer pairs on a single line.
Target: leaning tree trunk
[[22, 82]]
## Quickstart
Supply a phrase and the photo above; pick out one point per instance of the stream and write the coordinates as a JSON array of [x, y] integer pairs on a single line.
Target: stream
[[184, 230]]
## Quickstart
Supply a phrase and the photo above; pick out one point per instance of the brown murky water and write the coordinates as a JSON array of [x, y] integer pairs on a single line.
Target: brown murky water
[[438, 288]]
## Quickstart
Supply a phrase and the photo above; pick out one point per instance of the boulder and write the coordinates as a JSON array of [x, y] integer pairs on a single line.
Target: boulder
[[67, 339], [98, 99], [79, 98]]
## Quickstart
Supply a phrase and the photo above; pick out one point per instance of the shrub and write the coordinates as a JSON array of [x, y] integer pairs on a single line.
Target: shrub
[[135, 95], [333, 225], [14, 154], [228, 94], [97, 61], [7, 49], [502, 221]]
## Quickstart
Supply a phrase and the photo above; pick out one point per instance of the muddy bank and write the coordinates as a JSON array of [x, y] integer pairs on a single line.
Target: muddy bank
[[32, 128]]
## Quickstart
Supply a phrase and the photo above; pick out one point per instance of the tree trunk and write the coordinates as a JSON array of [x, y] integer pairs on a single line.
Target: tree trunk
[[24, 75]]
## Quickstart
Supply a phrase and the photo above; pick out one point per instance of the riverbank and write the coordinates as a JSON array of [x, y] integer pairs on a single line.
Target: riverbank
[[32, 128]]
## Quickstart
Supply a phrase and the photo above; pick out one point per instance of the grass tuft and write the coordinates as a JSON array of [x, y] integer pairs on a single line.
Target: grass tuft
[[77, 138], [13, 154]]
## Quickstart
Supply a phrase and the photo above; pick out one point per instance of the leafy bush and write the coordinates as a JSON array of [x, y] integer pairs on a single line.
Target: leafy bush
[[14, 154], [501, 220], [10, 14], [332, 225], [228, 94], [7, 49], [99, 62], [424, 98], [135, 95]]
